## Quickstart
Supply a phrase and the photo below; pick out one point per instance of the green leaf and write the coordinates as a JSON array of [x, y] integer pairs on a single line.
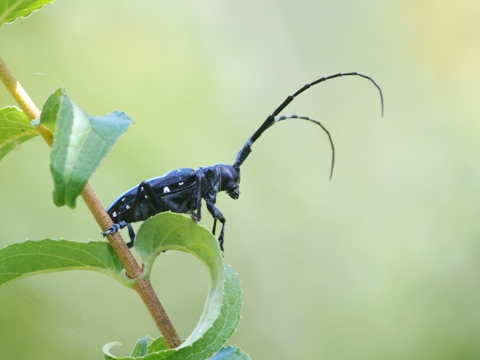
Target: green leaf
[[220, 317], [230, 353], [79, 145], [15, 128], [43, 256], [10, 10]]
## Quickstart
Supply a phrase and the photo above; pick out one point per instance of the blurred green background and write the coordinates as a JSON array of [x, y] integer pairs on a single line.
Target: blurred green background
[[382, 262]]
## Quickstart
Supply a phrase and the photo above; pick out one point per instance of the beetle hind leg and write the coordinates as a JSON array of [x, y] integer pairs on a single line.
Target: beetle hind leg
[[131, 234], [114, 228]]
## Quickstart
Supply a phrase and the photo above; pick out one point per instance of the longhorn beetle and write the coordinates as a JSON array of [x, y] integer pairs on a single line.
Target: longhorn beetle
[[182, 190]]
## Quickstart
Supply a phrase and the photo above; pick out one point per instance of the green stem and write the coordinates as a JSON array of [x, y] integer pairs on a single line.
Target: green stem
[[143, 286]]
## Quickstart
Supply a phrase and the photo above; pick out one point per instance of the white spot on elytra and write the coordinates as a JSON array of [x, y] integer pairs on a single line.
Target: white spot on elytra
[[166, 189], [123, 199], [114, 214], [181, 183], [128, 207]]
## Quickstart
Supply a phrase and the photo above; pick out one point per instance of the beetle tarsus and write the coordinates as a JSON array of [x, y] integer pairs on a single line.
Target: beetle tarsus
[[112, 229], [193, 216], [120, 225]]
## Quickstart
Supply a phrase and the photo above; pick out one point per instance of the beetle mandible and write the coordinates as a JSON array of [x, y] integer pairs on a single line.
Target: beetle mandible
[[182, 190]]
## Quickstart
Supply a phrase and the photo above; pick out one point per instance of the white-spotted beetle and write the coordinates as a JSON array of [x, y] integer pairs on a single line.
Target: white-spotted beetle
[[182, 190]]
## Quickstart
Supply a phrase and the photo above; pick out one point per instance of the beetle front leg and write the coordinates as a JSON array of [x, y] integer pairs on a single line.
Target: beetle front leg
[[217, 215]]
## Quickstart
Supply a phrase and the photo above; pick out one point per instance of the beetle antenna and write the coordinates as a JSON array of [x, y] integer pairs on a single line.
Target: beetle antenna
[[271, 119], [286, 117]]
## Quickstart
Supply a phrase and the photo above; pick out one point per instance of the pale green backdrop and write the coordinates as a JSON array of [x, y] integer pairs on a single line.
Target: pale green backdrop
[[382, 262]]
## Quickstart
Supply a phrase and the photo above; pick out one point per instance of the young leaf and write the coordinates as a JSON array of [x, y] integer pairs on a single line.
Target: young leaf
[[79, 145], [10, 10], [48, 116], [220, 317], [141, 347], [43, 256], [15, 128]]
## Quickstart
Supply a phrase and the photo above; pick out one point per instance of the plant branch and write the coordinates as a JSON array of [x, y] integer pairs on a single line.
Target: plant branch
[[143, 286], [23, 100]]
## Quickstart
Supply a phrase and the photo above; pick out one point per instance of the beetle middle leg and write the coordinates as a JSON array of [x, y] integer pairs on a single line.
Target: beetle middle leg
[[217, 215]]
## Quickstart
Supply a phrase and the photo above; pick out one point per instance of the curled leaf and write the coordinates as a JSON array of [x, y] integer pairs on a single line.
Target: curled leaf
[[220, 317]]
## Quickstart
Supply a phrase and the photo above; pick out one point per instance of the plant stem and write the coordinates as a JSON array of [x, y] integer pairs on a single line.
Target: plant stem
[[142, 286]]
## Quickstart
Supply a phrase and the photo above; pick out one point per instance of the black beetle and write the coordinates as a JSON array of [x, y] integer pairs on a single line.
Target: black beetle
[[182, 190]]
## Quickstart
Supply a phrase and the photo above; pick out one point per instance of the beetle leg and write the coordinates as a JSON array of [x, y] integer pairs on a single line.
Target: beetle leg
[[131, 233], [217, 215], [193, 216], [114, 228], [152, 199], [214, 226], [120, 225], [149, 193]]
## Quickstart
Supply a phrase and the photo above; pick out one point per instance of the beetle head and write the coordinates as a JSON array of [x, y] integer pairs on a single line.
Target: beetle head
[[229, 180]]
